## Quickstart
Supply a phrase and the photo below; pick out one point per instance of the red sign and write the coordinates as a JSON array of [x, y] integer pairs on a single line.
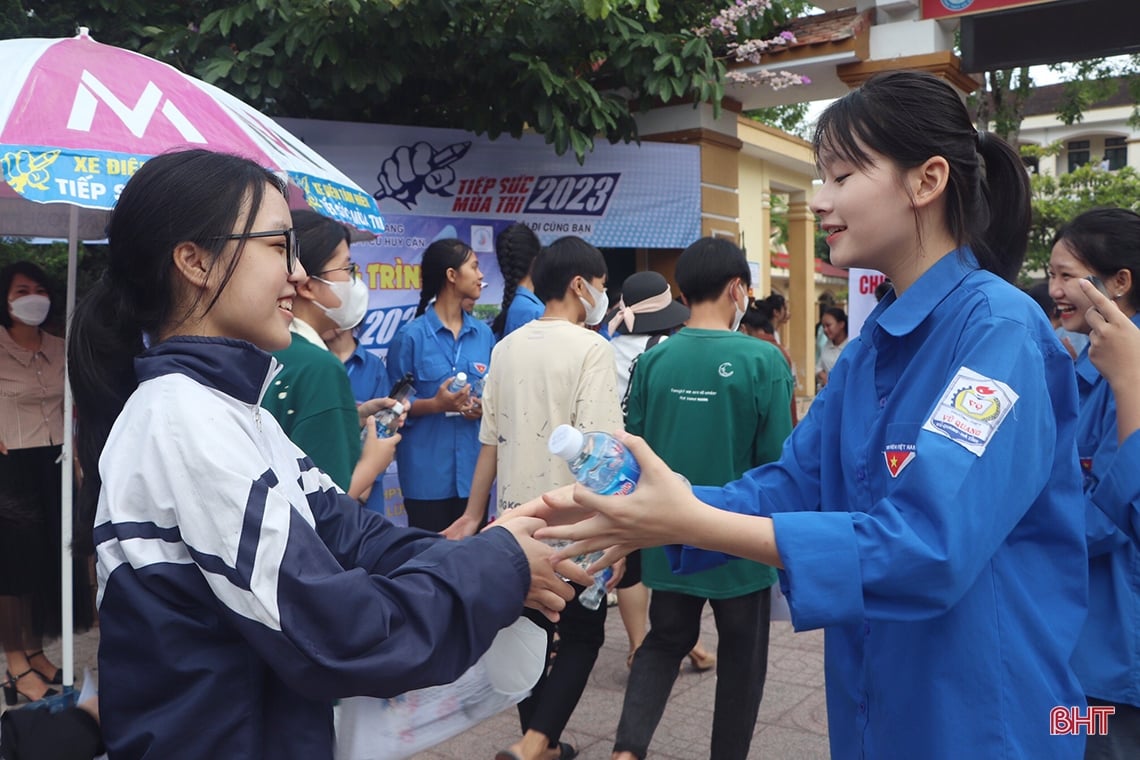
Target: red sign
[[952, 8]]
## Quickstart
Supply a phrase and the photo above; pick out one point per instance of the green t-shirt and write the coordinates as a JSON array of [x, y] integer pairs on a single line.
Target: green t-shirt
[[713, 404], [312, 399]]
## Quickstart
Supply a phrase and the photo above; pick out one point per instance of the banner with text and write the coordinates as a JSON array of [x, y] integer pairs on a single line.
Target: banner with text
[[623, 196], [390, 265]]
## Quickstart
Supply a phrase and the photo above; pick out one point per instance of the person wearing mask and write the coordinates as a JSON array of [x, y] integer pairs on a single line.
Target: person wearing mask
[[516, 249], [1105, 244], [947, 567], [441, 437], [712, 385], [31, 434], [241, 591], [311, 397], [646, 315], [569, 373]]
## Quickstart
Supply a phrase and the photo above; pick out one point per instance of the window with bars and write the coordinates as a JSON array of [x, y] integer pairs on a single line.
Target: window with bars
[[1078, 153], [1116, 152]]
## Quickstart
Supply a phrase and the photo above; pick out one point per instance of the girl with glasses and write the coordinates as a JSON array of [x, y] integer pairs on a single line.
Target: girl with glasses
[[311, 397], [241, 591]]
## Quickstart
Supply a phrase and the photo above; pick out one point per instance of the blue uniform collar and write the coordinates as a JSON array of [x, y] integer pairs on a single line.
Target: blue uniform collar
[[522, 291], [357, 355], [923, 297], [437, 326], [234, 367]]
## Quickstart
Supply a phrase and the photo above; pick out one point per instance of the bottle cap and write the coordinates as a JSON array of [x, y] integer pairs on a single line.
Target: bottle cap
[[565, 442], [398, 408], [461, 377]]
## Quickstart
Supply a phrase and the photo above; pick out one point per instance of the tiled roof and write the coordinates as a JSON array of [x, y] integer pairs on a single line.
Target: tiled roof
[[834, 26], [1047, 99]]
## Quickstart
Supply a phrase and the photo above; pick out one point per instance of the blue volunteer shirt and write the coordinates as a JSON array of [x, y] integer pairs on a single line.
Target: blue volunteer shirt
[[1107, 659], [436, 456], [928, 515], [369, 379], [367, 375], [524, 308]]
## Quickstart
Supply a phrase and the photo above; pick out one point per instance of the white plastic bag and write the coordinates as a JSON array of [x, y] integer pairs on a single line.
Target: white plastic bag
[[391, 729]]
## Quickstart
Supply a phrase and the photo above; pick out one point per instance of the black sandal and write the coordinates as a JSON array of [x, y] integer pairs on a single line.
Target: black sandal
[[12, 691], [56, 680]]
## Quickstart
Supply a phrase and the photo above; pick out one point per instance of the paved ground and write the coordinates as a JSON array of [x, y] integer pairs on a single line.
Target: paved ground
[[792, 724]]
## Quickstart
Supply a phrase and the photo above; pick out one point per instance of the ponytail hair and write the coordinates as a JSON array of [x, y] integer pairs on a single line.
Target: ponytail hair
[[910, 117], [194, 196], [440, 256], [759, 315], [516, 249]]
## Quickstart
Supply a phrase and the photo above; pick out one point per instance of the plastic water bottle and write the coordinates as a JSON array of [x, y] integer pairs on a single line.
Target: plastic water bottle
[[388, 420], [603, 464], [598, 461], [458, 383]]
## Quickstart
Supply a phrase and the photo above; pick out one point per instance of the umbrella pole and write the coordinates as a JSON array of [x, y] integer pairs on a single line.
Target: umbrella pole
[[67, 634]]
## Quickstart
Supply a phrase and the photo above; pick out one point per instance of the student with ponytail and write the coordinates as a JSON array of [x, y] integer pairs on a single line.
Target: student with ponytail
[[927, 511], [441, 437], [240, 590], [516, 249]]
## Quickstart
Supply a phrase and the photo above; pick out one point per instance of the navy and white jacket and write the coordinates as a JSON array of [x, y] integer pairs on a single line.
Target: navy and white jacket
[[241, 591]]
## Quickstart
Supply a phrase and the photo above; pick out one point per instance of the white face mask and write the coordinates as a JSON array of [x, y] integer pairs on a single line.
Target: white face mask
[[353, 295], [31, 310], [596, 313], [738, 313]]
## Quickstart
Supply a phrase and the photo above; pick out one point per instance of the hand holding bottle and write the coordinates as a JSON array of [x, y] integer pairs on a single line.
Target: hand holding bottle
[[661, 510], [451, 401], [377, 451], [548, 593]]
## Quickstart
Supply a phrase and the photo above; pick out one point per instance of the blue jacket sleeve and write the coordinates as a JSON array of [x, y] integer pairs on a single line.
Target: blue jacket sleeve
[[914, 554], [790, 483], [1118, 493]]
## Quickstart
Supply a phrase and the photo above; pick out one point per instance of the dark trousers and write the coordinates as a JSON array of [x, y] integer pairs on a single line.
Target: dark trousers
[[434, 514], [581, 633], [1123, 739], [741, 666]]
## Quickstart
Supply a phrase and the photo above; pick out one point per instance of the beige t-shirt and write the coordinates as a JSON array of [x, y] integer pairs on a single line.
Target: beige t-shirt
[[544, 374]]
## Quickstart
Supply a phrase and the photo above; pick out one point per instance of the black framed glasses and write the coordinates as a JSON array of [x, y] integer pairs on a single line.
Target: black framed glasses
[[292, 247], [353, 270]]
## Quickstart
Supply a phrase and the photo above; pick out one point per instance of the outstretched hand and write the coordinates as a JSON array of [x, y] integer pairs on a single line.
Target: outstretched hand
[[659, 511], [548, 593]]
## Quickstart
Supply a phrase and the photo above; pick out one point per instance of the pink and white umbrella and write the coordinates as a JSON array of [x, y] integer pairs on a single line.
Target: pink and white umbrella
[[78, 118]]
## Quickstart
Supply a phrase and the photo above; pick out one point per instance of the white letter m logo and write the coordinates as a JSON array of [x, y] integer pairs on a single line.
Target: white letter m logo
[[137, 119]]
